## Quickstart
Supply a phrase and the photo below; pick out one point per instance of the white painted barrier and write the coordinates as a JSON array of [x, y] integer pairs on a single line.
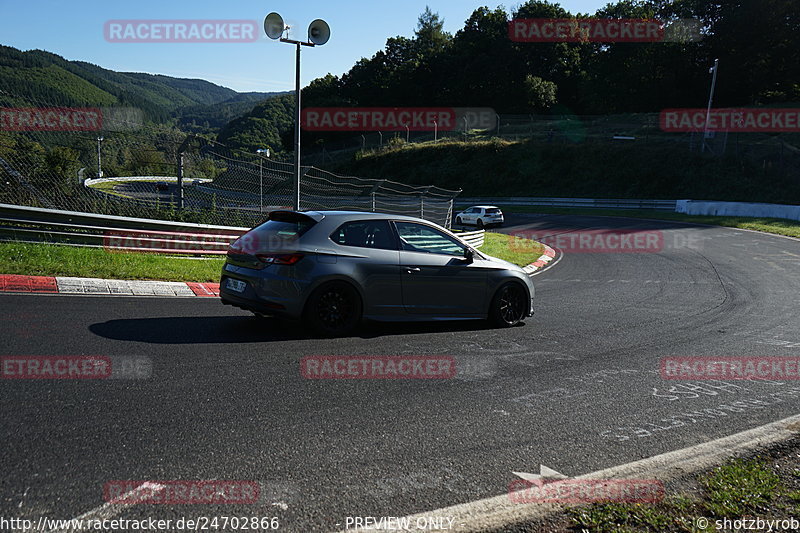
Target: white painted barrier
[[738, 209]]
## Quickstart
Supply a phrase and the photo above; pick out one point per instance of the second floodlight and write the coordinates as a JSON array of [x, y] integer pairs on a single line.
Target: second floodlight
[[319, 32]]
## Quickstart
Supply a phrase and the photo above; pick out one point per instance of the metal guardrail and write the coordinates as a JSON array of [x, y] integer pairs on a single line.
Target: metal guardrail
[[33, 224], [596, 203], [128, 234], [473, 238]]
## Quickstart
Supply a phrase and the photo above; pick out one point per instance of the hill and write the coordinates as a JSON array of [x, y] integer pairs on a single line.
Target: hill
[[41, 76]]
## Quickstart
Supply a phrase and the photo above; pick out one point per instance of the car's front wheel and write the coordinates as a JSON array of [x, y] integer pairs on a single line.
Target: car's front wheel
[[334, 309], [509, 306], [480, 224]]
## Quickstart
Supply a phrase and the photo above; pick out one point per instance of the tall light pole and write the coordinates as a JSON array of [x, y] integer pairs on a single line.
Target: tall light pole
[[318, 34], [710, 98], [99, 160], [261, 180]]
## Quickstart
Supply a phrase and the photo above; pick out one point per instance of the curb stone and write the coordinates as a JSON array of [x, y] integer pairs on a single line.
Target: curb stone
[[109, 287]]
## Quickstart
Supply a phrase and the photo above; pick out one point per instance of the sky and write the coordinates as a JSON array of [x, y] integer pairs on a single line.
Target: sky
[[75, 30]]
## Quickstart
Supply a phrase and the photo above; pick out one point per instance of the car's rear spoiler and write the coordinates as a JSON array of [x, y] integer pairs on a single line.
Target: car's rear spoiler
[[295, 216]]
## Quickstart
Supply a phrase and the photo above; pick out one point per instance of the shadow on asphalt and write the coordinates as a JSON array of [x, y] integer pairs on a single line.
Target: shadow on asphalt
[[242, 329]]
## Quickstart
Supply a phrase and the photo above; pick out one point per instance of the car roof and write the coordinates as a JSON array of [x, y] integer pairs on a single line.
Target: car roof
[[485, 206], [319, 215]]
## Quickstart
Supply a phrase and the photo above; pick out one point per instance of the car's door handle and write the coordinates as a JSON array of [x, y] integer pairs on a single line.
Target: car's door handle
[[411, 270]]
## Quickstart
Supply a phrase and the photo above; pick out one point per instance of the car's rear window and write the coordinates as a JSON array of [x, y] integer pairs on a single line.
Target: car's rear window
[[279, 233], [494, 211]]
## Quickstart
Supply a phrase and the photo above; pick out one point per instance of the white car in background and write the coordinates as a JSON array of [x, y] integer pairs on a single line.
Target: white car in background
[[481, 216]]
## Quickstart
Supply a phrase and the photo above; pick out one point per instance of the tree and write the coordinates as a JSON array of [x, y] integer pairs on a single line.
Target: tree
[[541, 93]]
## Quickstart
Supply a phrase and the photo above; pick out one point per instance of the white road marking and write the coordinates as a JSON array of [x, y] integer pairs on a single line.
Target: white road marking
[[545, 474], [109, 510]]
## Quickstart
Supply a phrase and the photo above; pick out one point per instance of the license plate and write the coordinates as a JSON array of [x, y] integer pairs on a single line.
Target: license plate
[[235, 285]]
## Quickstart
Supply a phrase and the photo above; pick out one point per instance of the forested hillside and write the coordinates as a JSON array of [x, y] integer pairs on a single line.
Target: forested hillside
[[40, 76]]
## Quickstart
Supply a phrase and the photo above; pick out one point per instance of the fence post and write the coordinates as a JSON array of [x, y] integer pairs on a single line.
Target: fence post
[[450, 214], [373, 202], [180, 180], [421, 206]]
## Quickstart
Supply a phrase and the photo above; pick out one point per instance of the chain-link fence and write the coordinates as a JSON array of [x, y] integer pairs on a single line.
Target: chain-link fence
[[109, 160]]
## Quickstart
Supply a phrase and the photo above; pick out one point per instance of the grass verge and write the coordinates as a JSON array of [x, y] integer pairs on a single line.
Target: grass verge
[[33, 259], [54, 260], [521, 252], [779, 226], [739, 489]]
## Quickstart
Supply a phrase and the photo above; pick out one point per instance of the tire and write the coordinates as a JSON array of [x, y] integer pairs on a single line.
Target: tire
[[458, 221], [480, 224], [334, 309], [509, 306]]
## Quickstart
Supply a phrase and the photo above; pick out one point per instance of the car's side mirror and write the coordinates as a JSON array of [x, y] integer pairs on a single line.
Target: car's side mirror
[[469, 255]]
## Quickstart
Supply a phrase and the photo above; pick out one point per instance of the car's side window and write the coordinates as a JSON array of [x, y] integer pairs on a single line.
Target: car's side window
[[421, 238], [365, 234]]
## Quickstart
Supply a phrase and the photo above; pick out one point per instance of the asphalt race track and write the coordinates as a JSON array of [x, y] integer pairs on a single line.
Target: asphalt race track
[[577, 387]]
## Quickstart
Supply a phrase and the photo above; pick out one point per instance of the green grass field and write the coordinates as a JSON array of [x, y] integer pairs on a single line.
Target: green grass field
[[57, 260]]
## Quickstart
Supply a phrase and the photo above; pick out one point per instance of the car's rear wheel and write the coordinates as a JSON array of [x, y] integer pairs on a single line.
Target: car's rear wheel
[[480, 224], [458, 221], [509, 305], [334, 309]]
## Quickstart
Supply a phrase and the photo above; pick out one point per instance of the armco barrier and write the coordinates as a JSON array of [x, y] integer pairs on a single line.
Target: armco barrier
[[601, 203], [33, 224], [127, 234], [739, 209]]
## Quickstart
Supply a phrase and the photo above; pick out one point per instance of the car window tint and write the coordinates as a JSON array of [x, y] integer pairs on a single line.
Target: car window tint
[[422, 238], [365, 234], [275, 235], [492, 211]]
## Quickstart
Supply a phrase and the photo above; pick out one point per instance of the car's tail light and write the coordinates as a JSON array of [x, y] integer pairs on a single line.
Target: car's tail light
[[280, 259]]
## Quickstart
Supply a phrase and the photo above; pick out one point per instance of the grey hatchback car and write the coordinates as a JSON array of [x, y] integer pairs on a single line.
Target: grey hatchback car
[[335, 268]]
